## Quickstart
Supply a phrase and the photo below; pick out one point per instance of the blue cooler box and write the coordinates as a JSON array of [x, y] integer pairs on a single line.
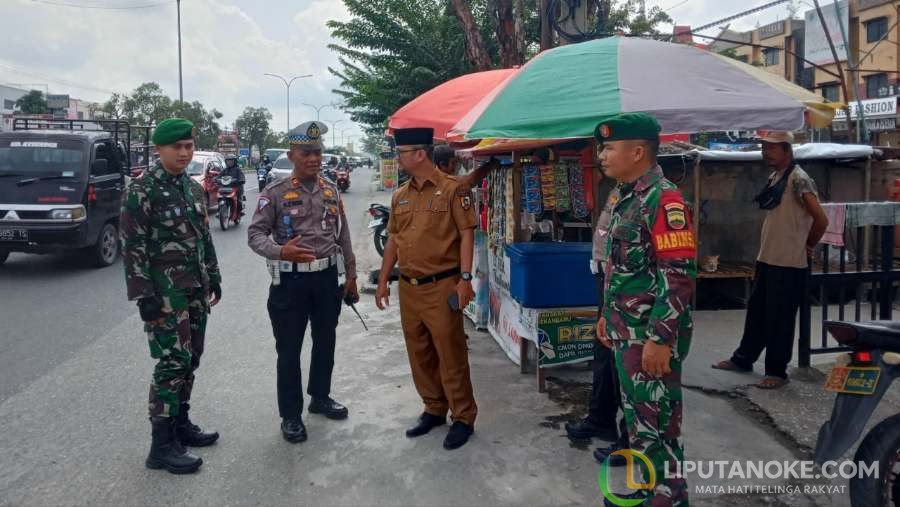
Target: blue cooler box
[[549, 275]]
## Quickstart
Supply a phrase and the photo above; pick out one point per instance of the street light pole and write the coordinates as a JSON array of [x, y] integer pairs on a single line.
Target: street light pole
[[342, 134], [318, 109], [333, 131], [180, 85], [287, 85]]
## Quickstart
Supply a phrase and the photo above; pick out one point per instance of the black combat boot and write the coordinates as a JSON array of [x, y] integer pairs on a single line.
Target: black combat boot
[[189, 433], [165, 451]]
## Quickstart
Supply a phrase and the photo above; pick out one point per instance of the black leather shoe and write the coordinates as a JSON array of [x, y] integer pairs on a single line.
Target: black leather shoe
[[426, 423], [637, 495], [293, 430], [585, 430], [458, 435], [166, 453], [190, 434], [328, 407], [615, 460]]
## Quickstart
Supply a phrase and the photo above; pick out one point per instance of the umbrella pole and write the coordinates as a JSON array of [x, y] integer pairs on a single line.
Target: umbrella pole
[[697, 201]]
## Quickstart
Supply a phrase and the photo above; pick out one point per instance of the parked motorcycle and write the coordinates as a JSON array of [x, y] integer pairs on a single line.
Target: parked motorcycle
[[381, 214], [229, 206], [343, 180], [861, 378]]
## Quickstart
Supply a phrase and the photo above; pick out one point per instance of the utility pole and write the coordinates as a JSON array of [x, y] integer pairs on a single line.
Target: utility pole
[[837, 63], [333, 131], [287, 85], [180, 83]]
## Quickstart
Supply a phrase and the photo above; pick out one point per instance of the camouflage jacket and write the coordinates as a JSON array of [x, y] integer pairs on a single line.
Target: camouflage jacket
[[166, 243], [651, 267]]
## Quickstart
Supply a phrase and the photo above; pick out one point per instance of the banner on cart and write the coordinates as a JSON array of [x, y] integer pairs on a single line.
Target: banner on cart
[[566, 336]]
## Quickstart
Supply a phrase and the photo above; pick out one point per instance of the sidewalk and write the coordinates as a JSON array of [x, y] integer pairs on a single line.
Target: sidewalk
[[726, 418]]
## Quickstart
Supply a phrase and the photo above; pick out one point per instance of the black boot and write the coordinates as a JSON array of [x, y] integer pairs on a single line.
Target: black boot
[[586, 429], [328, 407], [189, 433], [165, 451], [293, 430], [458, 435], [615, 460]]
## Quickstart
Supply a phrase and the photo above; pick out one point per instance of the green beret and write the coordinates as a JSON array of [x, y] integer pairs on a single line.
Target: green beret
[[626, 126], [172, 130]]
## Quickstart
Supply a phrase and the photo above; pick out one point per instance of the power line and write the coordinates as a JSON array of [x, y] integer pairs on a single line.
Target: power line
[[740, 15], [105, 7]]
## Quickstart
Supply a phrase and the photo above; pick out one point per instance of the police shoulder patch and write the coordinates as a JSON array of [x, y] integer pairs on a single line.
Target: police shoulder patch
[[465, 202], [263, 202]]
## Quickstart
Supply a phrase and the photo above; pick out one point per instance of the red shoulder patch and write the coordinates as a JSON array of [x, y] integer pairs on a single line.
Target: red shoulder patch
[[673, 231]]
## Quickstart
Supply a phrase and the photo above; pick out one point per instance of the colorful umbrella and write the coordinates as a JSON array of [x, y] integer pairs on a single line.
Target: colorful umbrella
[[565, 92], [442, 106]]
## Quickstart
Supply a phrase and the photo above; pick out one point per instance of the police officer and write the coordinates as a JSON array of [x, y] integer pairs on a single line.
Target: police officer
[[432, 234], [299, 225], [649, 282], [171, 270], [232, 169]]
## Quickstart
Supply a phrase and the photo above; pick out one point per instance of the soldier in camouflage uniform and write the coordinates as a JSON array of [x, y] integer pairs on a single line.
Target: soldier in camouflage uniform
[[171, 270], [650, 278]]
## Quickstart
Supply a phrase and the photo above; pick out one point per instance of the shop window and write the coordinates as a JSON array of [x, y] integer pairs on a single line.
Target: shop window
[[770, 56], [876, 29], [831, 93], [877, 86]]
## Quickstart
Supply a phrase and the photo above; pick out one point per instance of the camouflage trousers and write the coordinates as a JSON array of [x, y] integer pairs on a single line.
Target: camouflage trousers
[[176, 344], [653, 409]]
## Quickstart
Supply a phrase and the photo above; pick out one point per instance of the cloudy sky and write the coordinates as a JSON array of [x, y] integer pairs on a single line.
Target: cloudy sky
[[228, 46]]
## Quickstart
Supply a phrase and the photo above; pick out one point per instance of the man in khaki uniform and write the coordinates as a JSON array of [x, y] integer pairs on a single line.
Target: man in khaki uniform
[[300, 226], [432, 233]]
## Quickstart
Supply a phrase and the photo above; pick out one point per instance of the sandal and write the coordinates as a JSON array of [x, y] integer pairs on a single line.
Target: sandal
[[771, 383], [729, 365]]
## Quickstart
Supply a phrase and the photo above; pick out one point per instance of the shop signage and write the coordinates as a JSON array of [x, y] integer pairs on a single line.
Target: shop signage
[[816, 47], [57, 101], [872, 108], [771, 30], [873, 125], [566, 336]]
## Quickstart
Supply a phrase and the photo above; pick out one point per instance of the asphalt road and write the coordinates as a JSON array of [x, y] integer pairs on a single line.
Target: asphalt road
[[55, 305]]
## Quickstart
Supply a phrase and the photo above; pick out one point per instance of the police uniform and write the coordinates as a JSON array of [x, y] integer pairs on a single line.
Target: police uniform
[[170, 270], [650, 277], [426, 225], [309, 292]]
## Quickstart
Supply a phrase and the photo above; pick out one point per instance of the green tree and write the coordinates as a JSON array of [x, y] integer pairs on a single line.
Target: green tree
[[252, 126], [148, 104], [391, 52], [32, 102], [205, 122], [275, 140]]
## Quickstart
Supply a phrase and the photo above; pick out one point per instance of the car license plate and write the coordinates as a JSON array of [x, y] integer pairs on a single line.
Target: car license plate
[[853, 379], [17, 235]]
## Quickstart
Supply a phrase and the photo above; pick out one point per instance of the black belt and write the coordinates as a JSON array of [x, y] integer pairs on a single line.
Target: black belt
[[429, 279]]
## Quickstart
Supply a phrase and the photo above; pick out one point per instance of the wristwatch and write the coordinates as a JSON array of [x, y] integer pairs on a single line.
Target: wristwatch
[[465, 275]]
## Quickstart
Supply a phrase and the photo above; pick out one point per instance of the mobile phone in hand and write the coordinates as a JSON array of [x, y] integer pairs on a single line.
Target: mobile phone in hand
[[453, 301]]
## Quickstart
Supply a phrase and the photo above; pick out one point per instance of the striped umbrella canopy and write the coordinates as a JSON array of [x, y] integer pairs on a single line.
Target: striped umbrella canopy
[[442, 106], [566, 91]]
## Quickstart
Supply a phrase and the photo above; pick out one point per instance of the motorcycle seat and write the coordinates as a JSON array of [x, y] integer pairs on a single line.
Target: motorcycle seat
[[872, 334]]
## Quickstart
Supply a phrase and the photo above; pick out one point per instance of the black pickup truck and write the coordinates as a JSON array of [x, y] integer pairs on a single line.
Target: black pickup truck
[[61, 185]]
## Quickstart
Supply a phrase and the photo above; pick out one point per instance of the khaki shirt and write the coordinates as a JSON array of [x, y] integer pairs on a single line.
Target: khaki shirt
[[286, 209], [426, 224], [786, 228]]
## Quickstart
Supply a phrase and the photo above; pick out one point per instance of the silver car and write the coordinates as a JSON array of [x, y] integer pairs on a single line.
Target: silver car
[[282, 168]]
